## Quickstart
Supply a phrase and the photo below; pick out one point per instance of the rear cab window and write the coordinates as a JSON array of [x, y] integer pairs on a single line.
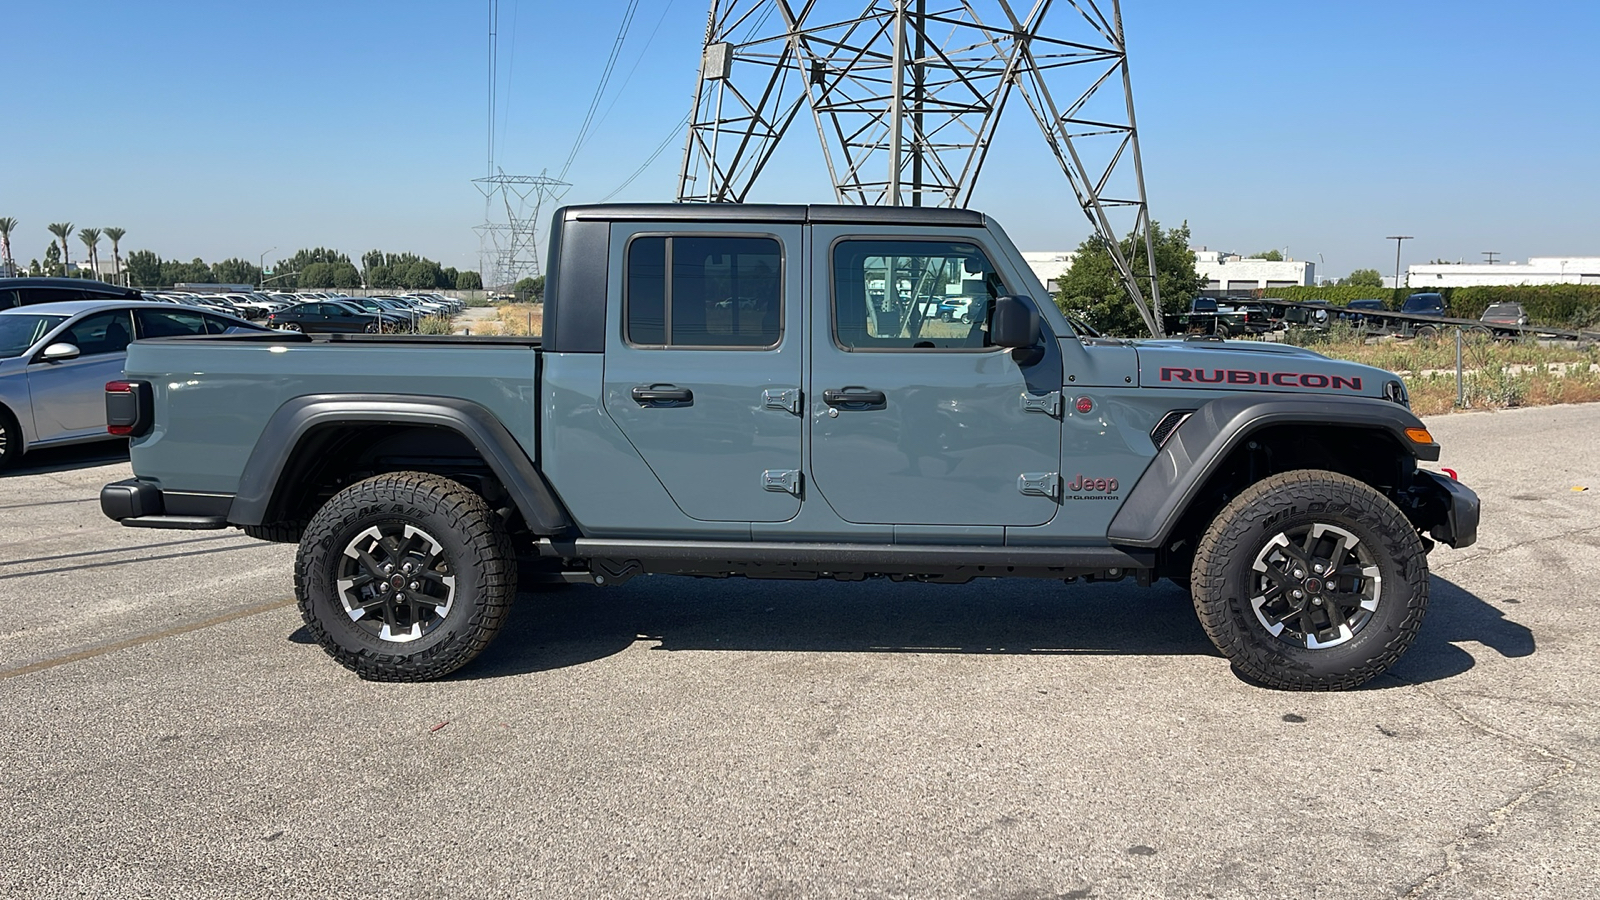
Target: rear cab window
[[703, 291]]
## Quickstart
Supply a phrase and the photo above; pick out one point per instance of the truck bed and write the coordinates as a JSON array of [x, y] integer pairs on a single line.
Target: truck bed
[[232, 384]]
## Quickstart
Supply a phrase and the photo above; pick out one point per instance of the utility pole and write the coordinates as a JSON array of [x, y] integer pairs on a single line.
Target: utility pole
[[1397, 238], [1491, 254]]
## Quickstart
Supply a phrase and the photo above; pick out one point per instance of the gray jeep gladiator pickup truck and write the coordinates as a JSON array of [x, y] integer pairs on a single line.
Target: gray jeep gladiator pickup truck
[[768, 391]]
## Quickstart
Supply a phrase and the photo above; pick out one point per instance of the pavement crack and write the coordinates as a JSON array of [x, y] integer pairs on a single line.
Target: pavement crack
[[1498, 816], [1489, 551]]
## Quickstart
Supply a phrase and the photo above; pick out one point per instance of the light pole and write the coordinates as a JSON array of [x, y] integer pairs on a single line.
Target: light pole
[[1398, 239], [261, 268]]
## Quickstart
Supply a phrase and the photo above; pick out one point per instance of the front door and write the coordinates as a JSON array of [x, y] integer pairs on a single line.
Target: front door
[[703, 376], [69, 399], [915, 418]]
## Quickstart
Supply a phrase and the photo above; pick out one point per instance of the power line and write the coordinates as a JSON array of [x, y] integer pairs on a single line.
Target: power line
[[677, 130], [600, 89], [618, 96]]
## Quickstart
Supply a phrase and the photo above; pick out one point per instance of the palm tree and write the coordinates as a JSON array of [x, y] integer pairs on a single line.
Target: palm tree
[[7, 225], [115, 234], [91, 243], [63, 230]]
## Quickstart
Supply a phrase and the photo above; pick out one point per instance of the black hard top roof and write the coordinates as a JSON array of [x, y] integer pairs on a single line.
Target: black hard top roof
[[773, 212], [82, 284]]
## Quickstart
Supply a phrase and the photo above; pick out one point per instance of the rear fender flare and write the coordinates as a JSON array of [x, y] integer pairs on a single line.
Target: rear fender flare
[[280, 440]]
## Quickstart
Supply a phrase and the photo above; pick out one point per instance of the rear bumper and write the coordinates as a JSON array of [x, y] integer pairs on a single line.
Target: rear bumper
[[140, 504], [1450, 509]]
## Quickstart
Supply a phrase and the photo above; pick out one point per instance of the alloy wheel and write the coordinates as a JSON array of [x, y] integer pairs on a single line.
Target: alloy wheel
[[1315, 586], [396, 582]]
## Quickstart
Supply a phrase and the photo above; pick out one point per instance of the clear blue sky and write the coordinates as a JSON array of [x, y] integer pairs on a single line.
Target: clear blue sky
[[224, 129]]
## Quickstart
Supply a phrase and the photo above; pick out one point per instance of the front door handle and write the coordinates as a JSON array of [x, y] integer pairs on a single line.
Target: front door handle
[[854, 398], [662, 393]]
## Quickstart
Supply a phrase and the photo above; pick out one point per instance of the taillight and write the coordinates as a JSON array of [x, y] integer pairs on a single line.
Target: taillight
[[129, 409]]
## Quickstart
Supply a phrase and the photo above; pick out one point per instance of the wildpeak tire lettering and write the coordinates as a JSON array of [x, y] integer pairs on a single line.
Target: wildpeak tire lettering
[[1311, 380]]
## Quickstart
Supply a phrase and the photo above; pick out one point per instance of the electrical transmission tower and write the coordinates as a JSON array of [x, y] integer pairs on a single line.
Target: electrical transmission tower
[[906, 95], [508, 250]]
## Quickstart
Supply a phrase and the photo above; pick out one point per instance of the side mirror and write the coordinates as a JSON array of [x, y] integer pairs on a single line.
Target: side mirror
[[1015, 324], [60, 352]]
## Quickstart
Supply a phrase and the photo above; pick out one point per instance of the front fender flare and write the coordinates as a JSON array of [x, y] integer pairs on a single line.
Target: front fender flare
[[1193, 452], [294, 420]]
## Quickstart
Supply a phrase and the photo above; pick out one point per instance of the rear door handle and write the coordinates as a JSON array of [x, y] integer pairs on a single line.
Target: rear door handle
[[662, 393], [854, 398]]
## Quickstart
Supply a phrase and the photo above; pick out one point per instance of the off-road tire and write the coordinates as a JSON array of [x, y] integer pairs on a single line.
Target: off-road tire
[[474, 550], [1224, 578], [276, 532]]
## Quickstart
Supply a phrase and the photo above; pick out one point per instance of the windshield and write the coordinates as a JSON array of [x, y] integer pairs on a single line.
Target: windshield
[[19, 332]]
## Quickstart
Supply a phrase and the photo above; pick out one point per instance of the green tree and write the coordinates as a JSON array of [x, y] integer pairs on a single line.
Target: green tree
[[1268, 255], [235, 271], [346, 276], [1093, 289], [115, 235], [469, 281], [144, 269], [195, 271], [62, 230], [529, 290], [7, 225], [1364, 278], [91, 243], [52, 261]]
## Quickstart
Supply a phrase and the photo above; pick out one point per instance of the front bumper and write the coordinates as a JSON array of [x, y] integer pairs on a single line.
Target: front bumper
[[1446, 509]]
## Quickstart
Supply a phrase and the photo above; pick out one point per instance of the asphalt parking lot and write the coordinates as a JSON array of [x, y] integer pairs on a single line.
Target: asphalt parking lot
[[170, 732]]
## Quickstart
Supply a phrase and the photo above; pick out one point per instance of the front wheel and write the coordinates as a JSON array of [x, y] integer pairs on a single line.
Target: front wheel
[[1311, 580], [405, 576]]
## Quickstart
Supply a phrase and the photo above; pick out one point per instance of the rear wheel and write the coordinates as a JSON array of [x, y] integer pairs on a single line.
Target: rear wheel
[[291, 326], [1311, 580], [405, 576]]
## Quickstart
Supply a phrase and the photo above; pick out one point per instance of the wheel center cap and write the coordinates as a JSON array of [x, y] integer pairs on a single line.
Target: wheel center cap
[[1313, 585], [397, 581]]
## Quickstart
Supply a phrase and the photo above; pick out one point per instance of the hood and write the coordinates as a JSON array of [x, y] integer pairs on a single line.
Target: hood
[[1254, 366]]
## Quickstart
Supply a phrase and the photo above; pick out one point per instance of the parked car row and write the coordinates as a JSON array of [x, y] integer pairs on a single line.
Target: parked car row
[[55, 360]]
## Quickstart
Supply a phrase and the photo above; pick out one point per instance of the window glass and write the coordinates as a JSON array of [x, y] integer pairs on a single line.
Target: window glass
[[108, 332], [705, 291], [912, 295], [160, 323], [19, 332], [8, 299]]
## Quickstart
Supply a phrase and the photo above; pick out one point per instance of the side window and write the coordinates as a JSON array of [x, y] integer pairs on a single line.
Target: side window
[[160, 323], [912, 295], [8, 299], [101, 333], [704, 292]]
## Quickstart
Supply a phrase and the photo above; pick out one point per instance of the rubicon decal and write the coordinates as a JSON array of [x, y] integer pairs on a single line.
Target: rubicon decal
[[1265, 379]]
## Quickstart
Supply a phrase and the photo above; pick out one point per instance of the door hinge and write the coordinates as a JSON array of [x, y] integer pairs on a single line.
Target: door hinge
[[1049, 404], [1040, 484], [789, 399], [782, 481]]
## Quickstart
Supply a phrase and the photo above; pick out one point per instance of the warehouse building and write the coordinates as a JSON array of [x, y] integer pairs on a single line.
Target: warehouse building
[[1226, 274], [1538, 270]]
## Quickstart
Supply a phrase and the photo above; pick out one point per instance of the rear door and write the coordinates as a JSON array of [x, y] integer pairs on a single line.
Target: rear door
[[918, 420], [703, 374]]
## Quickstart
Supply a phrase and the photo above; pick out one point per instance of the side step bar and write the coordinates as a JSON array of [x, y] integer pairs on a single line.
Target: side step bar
[[622, 559]]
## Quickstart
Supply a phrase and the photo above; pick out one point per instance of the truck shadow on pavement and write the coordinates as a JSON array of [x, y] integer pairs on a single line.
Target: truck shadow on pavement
[[576, 625]]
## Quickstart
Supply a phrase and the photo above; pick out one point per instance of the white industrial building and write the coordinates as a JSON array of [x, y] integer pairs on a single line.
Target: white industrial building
[[1538, 270], [1049, 265], [1232, 275], [1226, 274]]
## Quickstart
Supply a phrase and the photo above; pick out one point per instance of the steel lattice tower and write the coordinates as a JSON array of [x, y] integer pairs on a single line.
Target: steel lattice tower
[[510, 249], [906, 95]]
